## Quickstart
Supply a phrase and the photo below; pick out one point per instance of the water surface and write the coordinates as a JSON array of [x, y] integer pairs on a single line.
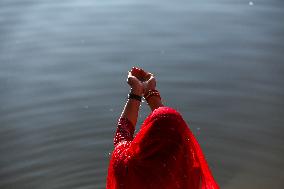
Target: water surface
[[63, 68]]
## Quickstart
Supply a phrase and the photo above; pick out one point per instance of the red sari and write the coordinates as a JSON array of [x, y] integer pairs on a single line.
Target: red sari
[[163, 155]]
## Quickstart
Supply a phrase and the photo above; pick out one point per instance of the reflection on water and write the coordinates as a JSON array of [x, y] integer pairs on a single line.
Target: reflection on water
[[62, 85]]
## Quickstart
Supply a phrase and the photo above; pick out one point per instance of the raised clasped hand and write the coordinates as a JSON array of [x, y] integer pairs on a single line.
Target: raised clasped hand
[[140, 81]]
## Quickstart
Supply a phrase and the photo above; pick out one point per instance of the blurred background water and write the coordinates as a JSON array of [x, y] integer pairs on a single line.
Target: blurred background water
[[63, 68]]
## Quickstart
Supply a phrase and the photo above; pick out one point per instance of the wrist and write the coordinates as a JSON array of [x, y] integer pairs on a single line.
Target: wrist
[[152, 93], [153, 99], [135, 97]]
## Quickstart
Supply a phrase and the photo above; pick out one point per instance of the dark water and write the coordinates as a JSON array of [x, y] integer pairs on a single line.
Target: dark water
[[63, 67]]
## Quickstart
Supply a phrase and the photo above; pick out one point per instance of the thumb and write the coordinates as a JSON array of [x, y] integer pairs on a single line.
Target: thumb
[[151, 78], [130, 79]]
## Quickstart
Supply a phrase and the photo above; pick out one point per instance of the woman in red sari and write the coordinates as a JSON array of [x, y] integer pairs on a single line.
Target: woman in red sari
[[164, 154]]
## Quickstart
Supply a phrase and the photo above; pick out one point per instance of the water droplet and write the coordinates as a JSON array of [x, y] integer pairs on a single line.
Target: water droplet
[[82, 41], [86, 107], [251, 3], [164, 164], [111, 110]]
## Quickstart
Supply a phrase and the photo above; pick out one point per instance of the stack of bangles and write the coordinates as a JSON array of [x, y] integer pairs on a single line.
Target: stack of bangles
[[151, 93], [147, 96]]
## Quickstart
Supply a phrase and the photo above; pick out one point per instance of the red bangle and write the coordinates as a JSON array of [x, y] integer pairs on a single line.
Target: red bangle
[[151, 93]]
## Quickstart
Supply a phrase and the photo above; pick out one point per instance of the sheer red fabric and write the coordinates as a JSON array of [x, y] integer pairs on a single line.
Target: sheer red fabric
[[164, 154]]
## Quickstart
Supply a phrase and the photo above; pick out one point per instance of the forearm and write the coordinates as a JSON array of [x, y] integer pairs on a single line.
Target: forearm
[[155, 102], [131, 109]]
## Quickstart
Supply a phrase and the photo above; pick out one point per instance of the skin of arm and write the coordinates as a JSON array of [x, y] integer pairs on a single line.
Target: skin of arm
[[154, 102], [131, 107]]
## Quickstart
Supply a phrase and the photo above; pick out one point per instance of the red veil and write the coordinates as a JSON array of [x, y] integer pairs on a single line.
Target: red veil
[[163, 155]]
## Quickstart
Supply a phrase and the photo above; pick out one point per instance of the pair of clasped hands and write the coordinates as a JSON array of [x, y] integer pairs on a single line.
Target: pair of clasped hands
[[140, 81]]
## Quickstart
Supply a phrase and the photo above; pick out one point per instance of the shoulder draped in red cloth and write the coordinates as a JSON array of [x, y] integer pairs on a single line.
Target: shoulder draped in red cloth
[[163, 155]]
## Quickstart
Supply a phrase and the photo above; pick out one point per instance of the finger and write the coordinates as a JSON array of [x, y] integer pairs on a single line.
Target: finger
[[151, 78], [130, 79], [138, 72], [148, 76], [136, 68], [130, 74], [135, 71], [143, 75]]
